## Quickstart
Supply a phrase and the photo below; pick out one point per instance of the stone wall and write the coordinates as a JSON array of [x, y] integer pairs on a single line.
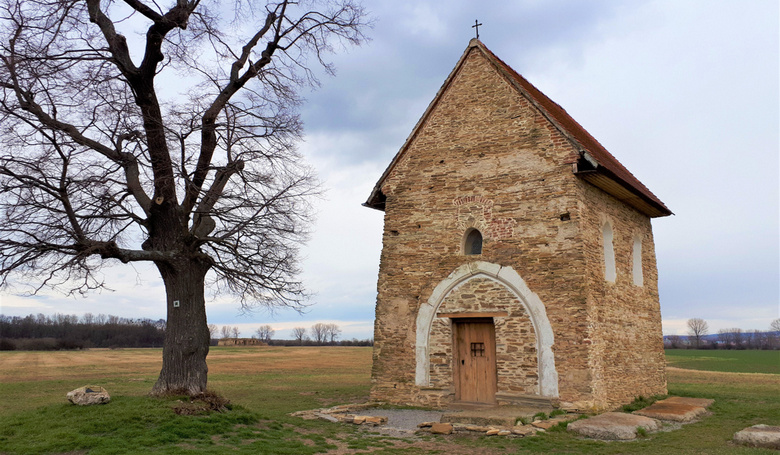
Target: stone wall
[[485, 158], [627, 355]]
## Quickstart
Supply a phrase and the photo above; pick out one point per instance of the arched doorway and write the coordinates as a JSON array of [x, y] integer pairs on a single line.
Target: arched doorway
[[455, 300]]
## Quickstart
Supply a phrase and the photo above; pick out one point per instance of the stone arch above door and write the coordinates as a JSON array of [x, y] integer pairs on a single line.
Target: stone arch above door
[[507, 276]]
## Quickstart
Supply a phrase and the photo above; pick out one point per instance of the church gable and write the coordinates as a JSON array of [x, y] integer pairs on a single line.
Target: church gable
[[488, 81], [477, 123]]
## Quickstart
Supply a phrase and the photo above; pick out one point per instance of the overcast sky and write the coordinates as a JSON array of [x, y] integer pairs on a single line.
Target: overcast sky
[[684, 93]]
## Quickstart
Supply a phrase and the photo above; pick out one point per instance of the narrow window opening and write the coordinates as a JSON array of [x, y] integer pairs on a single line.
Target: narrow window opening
[[473, 242], [610, 274]]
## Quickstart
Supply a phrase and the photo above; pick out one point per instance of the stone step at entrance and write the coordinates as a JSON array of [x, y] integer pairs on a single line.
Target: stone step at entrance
[[486, 415]]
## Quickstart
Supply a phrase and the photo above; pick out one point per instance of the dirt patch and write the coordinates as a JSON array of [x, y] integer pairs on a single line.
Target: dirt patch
[[202, 404]]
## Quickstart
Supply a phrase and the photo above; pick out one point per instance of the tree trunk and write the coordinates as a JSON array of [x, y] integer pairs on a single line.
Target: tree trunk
[[187, 337]]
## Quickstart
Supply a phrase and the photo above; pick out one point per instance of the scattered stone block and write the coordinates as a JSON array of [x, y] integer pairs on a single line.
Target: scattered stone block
[[504, 433], [375, 420], [524, 430], [492, 432], [763, 436], [358, 420], [672, 411], [327, 417], [425, 424], [544, 424], [613, 426], [88, 395], [441, 428]]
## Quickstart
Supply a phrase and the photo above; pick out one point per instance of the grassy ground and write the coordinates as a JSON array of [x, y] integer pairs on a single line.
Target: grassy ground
[[266, 384], [728, 361]]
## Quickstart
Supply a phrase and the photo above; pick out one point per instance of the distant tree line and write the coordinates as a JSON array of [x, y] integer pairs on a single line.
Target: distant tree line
[[319, 334], [732, 338], [64, 331]]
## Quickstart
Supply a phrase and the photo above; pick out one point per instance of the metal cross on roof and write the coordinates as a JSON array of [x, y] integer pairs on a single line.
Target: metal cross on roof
[[476, 26]]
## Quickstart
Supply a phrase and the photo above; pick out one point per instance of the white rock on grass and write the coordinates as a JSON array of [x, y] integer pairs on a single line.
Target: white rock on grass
[[759, 436], [88, 395]]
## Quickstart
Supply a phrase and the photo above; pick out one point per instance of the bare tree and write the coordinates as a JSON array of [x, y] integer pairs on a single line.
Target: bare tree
[[175, 146], [697, 328], [332, 331], [773, 335], [226, 329], [726, 338], [319, 332], [265, 332], [235, 332], [739, 337], [299, 333], [213, 331]]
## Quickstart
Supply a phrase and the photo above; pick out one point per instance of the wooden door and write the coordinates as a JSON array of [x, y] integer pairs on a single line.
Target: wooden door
[[475, 360]]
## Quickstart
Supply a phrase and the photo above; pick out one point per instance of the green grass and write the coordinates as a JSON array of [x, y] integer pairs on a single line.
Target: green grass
[[266, 384], [747, 361]]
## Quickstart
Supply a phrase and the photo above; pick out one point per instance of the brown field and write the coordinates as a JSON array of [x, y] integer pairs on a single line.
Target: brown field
[[23, 366]]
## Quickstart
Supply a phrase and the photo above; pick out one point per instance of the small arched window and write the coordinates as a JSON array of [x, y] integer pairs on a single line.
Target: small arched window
[[610, 274], [472, 242]]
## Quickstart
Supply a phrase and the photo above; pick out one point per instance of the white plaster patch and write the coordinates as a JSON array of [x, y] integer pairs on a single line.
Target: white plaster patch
[[636, 270], [610, 273]]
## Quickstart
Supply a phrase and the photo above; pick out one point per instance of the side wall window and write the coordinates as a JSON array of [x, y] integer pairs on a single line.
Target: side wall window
[[609, 253], [472, 243], [637, 262]]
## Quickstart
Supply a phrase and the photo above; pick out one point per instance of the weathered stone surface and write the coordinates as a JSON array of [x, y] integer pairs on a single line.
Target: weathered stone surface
[[485, 157], [425, 424], [524, 430], [672, 411], [701, 402], [375, 420], [613, 426], [441, 428], [492, 432], [327, 417], [504, 433], [88, 395], [545, 424], [358, 420], [764, 436]]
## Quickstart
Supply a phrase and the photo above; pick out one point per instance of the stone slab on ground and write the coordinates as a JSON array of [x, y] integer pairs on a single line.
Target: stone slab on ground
[[702, 402], [404, 419], [763, 436], [675, 409], [441, 428], [88, 395], [504, 416], [613, 426]]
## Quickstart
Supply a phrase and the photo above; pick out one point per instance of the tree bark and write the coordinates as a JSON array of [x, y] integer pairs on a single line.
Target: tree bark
[[187, 337]]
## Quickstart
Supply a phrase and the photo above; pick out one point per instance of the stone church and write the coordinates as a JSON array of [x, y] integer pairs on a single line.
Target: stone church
[[518, 261]]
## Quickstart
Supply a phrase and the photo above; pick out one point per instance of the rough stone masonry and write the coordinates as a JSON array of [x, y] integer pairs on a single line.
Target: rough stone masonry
[[566, 275]]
